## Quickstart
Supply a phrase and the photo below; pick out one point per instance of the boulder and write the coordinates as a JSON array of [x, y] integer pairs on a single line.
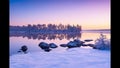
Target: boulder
[[84, 45], [78, 42], [71, 44], [24, 48], [44, 45], [52, 45], [91, 45], [47, 50], [88, 40], [63, 45]]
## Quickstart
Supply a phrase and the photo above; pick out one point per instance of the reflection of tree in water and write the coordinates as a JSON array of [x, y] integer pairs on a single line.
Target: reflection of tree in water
[[49, 31], [49, 36]]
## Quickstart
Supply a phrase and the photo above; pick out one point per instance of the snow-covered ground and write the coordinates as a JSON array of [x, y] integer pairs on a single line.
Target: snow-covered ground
[[70, 58]]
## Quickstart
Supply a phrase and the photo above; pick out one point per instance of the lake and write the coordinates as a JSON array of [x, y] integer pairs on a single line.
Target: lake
[[32, 41]]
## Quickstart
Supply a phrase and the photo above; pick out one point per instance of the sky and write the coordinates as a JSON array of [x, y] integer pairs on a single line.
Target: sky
[[90, 14]]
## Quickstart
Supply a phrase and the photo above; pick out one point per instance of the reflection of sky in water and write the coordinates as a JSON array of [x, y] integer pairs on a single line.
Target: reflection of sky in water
[[93, 36], [17, 42]]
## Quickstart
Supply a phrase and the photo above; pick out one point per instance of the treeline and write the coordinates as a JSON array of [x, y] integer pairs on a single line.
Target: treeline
[[43, 28]]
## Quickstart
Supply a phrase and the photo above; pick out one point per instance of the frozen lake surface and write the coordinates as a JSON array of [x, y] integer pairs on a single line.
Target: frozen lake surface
[[81, 57], [72, 58]]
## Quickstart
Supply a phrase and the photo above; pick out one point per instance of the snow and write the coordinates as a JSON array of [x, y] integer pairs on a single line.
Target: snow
[[102, 43], [70, 58]]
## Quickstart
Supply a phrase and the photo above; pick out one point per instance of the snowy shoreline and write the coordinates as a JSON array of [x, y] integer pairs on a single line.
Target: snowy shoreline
[[71, 58]]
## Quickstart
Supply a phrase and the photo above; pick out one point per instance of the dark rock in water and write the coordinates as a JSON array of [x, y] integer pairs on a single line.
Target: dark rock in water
[[75, 43], [24, 48], [71, 44], [44, 45], [82, 42], [47, 50], [52, 45], [88, 40], [19, 51], [78, 42], [84, 45], [63, 45], [91, 45]]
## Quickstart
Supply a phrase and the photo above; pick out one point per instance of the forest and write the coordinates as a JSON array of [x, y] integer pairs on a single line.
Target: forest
[[43, 28]]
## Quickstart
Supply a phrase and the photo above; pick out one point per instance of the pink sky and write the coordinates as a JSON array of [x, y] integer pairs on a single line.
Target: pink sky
[[89, 14]]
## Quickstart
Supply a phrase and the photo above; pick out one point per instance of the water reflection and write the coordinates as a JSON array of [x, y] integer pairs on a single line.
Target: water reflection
[[49, 36], [17, 40]]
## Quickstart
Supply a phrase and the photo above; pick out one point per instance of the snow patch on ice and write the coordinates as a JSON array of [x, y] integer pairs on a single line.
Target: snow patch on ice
[[71, 58]]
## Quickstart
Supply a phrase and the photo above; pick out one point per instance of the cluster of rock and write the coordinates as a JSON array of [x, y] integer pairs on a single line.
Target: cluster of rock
[[72, 44], [101, 43], [75, 43], [47, 47]]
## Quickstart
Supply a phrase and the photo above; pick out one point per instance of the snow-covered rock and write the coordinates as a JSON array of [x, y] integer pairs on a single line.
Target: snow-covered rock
[[71, 44], [52, 45], [44, 45], [78, 42], [75, 43]]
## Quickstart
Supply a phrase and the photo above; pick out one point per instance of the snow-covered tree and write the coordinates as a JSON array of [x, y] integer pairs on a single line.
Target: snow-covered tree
[[102, 43]]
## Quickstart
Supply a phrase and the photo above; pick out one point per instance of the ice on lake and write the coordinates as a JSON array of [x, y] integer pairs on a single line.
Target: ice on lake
[[70, 58]]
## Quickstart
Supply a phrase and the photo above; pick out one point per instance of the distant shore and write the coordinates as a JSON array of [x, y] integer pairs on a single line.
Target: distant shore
[[97, 30]]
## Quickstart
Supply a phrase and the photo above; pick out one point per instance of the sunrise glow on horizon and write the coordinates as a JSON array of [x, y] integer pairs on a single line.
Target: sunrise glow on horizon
[[90, 14]]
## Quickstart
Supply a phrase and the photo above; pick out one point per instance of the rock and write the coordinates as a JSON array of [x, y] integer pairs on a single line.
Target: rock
[[84, 45], [78, 42], [19, 51], [71, 44], [24, 48], [75, 43], [47, 50], [52, 45], [44, 45], [63, 45], [91, 45], [88, 40]]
